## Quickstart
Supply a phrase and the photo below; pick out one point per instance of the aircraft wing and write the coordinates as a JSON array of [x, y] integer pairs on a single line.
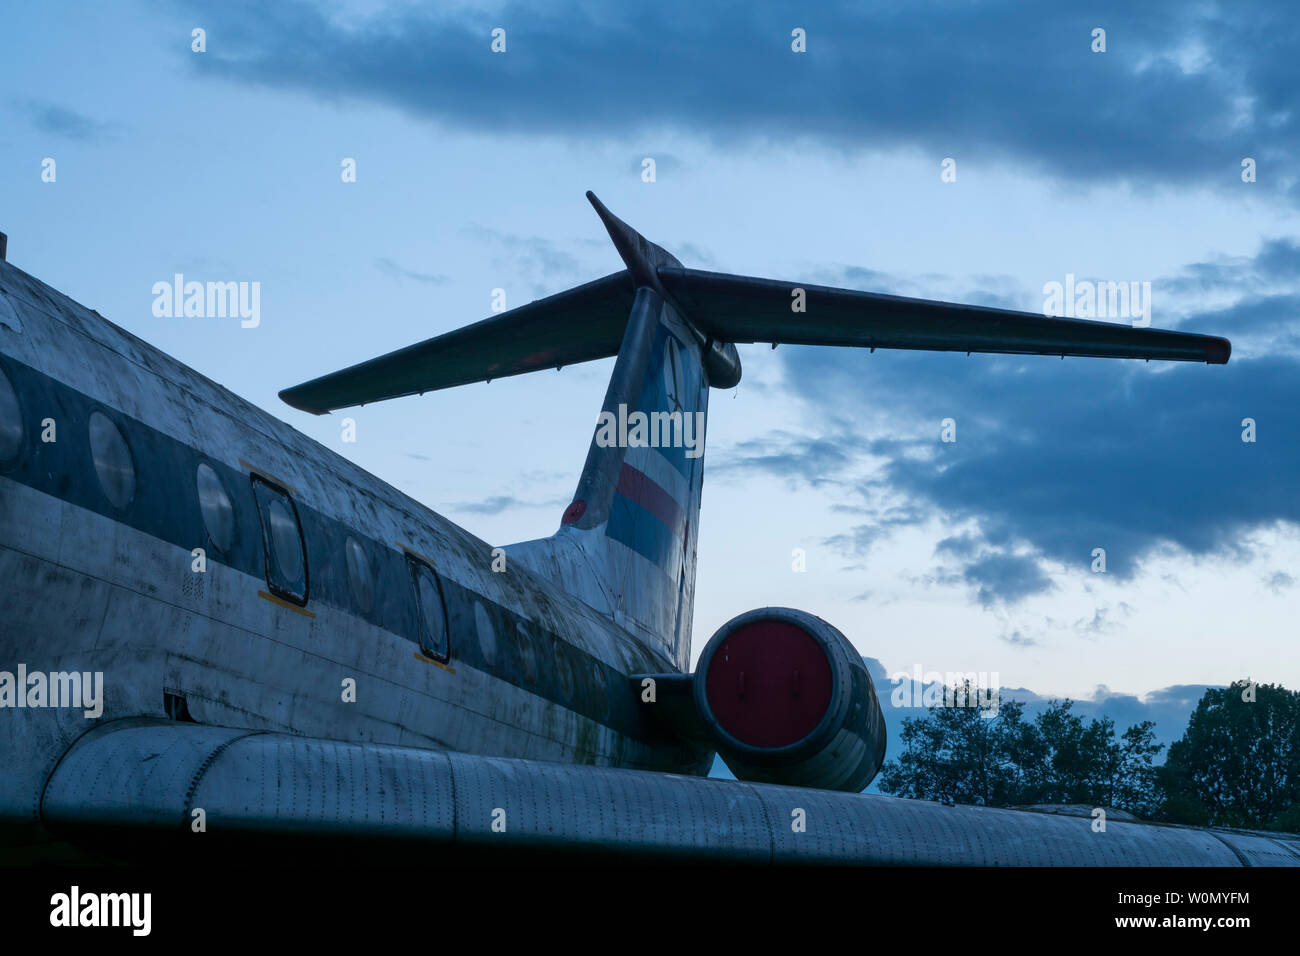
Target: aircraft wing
[[735, 308], [577, 325], [588, 322], [131, 789]]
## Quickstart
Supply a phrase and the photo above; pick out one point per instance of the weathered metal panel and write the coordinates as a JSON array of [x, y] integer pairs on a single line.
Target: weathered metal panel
[[570, 809], [149, 777], [88, 588], [152, 777], [889, 830]]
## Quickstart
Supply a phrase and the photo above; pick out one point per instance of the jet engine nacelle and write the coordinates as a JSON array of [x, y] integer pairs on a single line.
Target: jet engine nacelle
[[787, 699]]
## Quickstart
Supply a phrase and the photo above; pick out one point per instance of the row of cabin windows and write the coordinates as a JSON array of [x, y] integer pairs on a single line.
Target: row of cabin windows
[[287, 573], [282, 540], [286, 557]]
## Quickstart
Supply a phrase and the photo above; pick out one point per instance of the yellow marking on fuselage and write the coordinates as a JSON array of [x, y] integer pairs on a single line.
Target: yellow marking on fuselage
[[416, 554], [286, 604], [268, 476], [430, 660]]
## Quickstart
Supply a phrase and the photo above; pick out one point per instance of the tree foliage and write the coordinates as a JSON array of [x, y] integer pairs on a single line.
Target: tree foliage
[[1238, 762], [956, 755]]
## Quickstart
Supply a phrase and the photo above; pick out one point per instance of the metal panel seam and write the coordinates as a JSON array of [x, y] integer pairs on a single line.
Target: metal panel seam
[[1245, 860], [208, 761], [771, 834], [455, 801]]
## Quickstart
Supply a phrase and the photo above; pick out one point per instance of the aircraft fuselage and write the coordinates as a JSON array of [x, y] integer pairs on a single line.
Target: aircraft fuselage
[[229, 637]]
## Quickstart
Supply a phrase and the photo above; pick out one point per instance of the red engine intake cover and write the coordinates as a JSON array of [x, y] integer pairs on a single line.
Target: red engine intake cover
[[769, 684]]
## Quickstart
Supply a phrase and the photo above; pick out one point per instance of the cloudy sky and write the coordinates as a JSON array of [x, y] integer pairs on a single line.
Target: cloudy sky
[[822, 166]]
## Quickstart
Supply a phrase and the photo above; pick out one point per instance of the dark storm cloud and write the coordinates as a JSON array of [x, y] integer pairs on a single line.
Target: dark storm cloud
[[959, 546], [1277, 261], [1005, 578], [1273, 316], [1280, 258], [1183, 93], [1056, 458], [794, 457]]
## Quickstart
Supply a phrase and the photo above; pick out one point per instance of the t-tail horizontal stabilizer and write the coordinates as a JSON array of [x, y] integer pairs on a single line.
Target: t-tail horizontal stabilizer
[[574, 326], [743, 309], [588, 322]]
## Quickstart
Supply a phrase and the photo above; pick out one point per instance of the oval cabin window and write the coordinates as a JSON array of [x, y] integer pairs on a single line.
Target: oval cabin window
[[487, 635], [286, 546], [112, 460], [214, 503], [359, 579], [282, 542], [564, 674], [11, 421], [527, 653], [431, 610]]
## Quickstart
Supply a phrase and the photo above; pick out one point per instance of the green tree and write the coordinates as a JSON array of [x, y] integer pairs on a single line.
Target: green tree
[[1134, 785], [955, 755], [1238, 762], [1086, 764]]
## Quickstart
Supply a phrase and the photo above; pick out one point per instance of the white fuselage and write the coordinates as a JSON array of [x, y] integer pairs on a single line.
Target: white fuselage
[[91, 587]]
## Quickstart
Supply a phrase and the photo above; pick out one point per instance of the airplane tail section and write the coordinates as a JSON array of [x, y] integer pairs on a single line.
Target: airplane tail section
[[626, 543]]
